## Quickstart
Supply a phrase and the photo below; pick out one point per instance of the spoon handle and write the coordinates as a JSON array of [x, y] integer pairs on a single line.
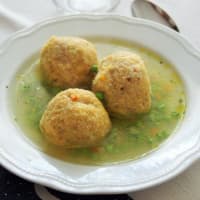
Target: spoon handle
[[165, 15], [151, 11]]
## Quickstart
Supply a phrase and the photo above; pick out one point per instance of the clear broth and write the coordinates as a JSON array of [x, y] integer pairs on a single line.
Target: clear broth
[[128, 139]]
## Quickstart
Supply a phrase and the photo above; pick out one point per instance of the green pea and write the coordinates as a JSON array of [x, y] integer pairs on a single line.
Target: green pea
[[162, 135], [100, 95], [161, 106], [109, 148], [94, 68]]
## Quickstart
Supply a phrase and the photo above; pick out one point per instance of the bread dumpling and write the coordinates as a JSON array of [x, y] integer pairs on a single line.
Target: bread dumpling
[[66, 62], [124, 81], [75, 118]]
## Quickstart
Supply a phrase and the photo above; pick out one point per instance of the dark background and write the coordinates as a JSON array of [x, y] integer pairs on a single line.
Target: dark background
[[15, 188]]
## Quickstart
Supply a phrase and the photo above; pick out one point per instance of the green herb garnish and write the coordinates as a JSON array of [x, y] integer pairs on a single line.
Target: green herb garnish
[[175, 114], [180, 100]]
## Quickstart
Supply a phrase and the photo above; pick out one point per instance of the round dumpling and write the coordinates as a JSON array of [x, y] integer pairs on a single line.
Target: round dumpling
[[124, 81], [66, 62], [75, 118]]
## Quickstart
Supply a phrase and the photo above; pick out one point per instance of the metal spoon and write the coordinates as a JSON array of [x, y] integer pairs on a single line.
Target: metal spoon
[[148, 10]]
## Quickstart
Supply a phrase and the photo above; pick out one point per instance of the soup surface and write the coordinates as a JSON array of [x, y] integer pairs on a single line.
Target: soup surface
[[128, 139]]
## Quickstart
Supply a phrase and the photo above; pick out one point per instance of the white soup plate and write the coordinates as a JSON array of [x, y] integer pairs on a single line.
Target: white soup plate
[[175, 155]]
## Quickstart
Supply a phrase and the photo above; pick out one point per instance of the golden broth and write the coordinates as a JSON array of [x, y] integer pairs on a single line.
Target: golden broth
[[127, 140]]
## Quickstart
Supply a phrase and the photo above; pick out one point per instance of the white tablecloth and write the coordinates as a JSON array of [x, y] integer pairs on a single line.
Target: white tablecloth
[[14, 15]]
